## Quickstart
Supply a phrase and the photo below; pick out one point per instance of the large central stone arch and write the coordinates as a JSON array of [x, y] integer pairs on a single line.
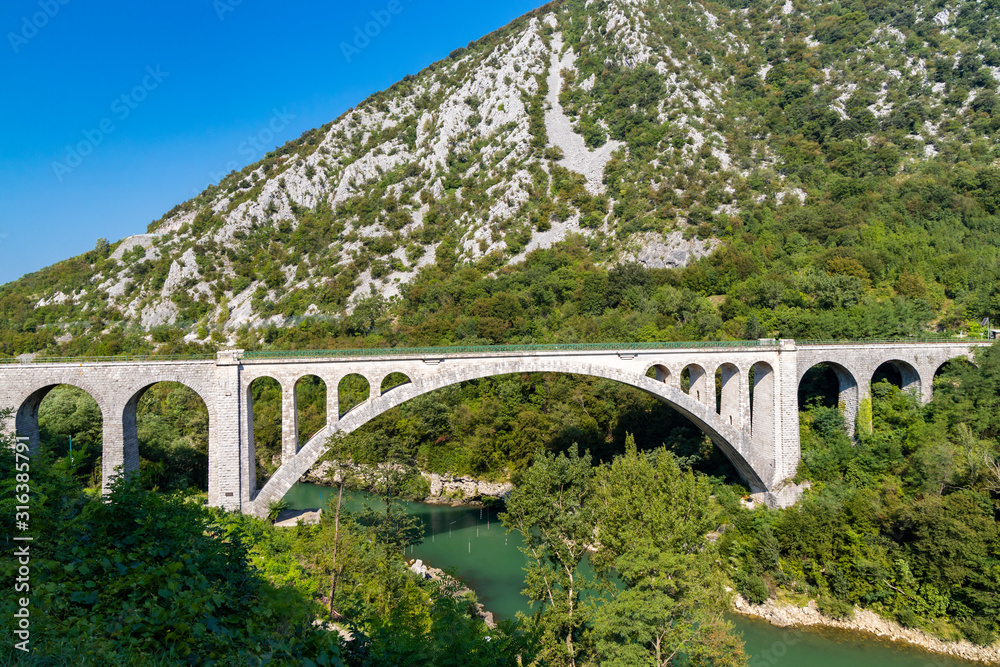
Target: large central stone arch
[[755, 467]]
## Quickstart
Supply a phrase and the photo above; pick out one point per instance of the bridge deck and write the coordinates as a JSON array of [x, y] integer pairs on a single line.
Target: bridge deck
[[501, 350]]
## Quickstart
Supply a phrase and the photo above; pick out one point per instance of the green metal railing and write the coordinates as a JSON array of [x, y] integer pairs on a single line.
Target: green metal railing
[[488, 349], [121, 358], [923, 340]]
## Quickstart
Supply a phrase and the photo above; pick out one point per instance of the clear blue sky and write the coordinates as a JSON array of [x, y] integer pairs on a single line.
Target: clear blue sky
[[166, 95]]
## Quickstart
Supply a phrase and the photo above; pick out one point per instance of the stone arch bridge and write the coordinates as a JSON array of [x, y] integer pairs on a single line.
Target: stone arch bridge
[[753, 418]]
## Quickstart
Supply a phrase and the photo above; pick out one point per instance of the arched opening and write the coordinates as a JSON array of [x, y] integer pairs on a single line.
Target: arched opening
[[729, 397], [951, 372], [831, 385], [66, 421], [393, 380], [659, 372], [698, 386], [264, 425], [352, 391], [310, 403], [493, 426], [888, 372], [166, 426], [483, 419], [898, 373], [819, 386], [717, 383]]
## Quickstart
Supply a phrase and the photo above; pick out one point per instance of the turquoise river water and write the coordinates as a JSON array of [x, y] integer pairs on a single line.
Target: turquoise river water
[[472, 544]]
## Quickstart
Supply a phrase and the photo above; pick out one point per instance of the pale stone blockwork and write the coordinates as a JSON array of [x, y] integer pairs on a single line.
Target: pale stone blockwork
[[759, 435]]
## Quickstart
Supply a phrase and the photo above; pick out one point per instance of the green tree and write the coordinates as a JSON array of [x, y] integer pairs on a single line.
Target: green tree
[[971, 394], [549, 508], [392, 525], [652, 524], [340, 473], [142, 578]]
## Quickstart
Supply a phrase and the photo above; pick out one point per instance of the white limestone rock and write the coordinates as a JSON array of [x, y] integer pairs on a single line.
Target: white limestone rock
[[667, 251]]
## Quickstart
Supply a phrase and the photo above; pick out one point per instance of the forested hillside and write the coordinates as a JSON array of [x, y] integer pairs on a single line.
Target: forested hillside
[[904, 521], [838, 160]]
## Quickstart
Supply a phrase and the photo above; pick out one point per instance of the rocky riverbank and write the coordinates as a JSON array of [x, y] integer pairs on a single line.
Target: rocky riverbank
[[789, 615], [444, 489], [461, 590], [463, 490]]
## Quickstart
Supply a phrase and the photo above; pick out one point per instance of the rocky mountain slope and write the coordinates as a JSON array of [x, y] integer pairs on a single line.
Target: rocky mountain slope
[[651, 128]]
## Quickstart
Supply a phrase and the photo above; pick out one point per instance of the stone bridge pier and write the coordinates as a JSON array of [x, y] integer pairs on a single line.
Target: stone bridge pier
[[742, 394]]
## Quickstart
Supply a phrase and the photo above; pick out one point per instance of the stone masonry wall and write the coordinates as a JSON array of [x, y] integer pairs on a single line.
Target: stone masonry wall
[[761, 440]]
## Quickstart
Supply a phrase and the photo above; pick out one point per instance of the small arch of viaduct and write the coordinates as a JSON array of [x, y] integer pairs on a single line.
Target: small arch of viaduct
[[855, 370], [744, 396]]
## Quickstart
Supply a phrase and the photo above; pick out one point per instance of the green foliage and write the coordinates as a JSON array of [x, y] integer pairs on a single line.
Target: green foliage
[[549, 508], [836, 609], [274, 508], [144, 578], [901, 521], [647, 522], [908, 618], [651, 524], [173, 438], [864, 419], [752, 587], [456, 639], [392, 525]]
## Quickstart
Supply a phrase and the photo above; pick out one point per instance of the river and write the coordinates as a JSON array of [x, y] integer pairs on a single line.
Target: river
[[472, 544]]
